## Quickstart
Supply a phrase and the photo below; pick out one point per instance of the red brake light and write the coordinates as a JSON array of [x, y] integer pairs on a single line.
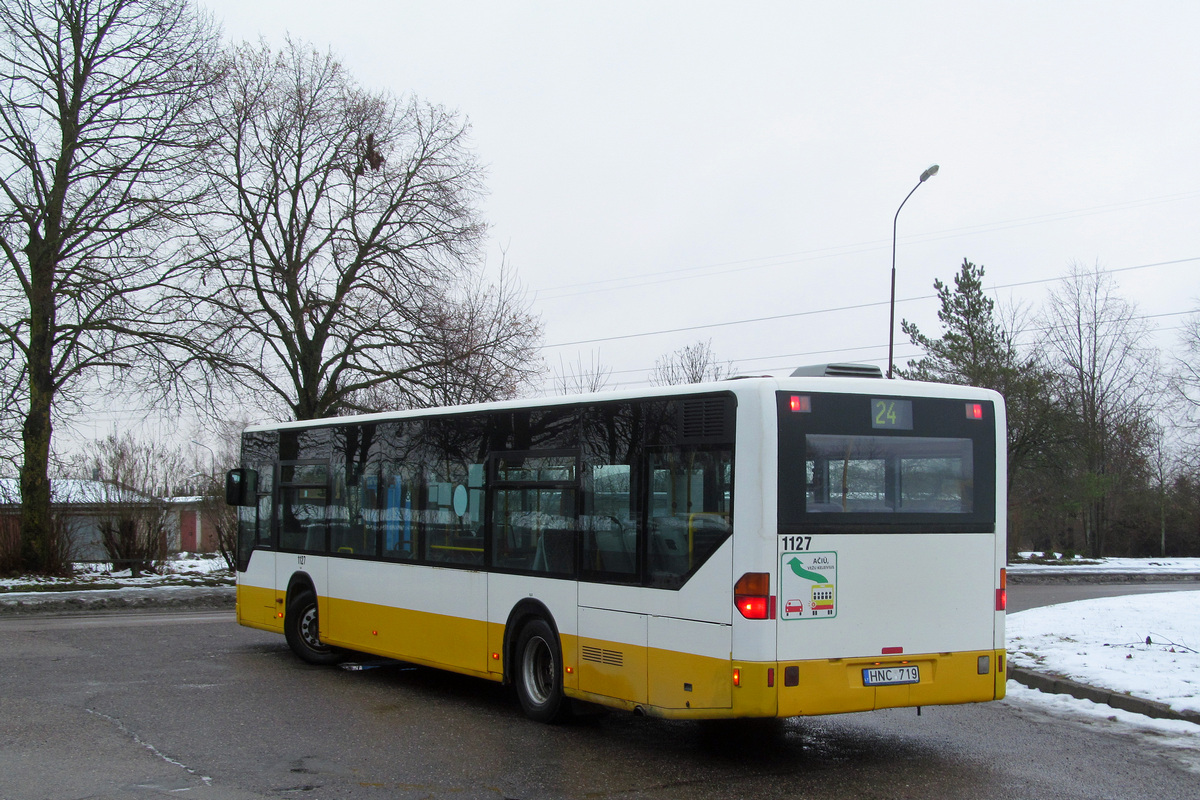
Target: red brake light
[[800, 403], [1002, 592], [752, 595], [752, 607], [974, 410]]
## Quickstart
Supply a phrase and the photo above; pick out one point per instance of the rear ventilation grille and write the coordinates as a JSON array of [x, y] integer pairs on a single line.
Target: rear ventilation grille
[[838, 371], [599, 655], [703, 420]]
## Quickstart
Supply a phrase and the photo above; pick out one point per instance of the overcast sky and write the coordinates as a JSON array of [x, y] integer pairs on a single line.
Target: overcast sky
[[657, 166]]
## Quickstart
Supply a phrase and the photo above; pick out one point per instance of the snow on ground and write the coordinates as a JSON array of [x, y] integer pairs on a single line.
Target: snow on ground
[[1121, 566], [1102, 643], [1146, 645], [181, 569]]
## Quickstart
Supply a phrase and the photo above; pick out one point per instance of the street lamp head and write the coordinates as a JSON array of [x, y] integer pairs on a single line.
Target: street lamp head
[[929, 173]]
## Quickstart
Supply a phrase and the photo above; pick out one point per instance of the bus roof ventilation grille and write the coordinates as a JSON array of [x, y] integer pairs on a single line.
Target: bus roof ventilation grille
[[703, 419], [838, 371]]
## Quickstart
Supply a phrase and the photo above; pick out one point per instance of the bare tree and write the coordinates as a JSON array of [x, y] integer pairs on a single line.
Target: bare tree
[[132, 479], [215, 514], [342, 248], [219, 517], [694, 363], [1109, 379], [482, 343], [95, 132], [1185, 380], [581, 379], [12, 410]]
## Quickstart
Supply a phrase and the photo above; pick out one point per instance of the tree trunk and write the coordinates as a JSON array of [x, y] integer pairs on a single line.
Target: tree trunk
[[39, 552]]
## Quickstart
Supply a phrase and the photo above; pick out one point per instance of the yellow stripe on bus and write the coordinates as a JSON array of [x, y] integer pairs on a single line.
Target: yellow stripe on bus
[[421, 637], [662, 683], [257, 608]]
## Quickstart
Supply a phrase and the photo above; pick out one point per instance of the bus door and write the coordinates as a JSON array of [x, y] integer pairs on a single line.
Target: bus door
[[303, 530], [654, 616], [613, 618], [533, 514]]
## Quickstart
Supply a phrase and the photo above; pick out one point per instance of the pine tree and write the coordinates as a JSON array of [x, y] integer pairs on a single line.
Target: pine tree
[[976, 349]]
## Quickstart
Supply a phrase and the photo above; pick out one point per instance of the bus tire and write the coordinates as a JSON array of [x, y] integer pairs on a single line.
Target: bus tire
[[301, 629], [539, 673]]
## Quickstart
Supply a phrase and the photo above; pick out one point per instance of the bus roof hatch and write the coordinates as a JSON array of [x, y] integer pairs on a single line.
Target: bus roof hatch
[[838, 371]]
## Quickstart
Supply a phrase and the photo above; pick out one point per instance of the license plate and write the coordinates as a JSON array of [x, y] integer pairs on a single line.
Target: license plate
[[890, 676]]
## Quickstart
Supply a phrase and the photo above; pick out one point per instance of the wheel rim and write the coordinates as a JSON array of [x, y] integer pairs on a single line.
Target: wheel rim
[[309, 629], [537, 671]]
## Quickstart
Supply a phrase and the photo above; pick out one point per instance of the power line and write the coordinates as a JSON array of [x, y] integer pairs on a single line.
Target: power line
[[836, 350], [744, 265], [790, 315], [830, 310], [778, 367]]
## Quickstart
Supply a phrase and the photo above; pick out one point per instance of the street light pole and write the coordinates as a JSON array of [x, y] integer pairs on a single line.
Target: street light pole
[[926, 175], [213, 464]]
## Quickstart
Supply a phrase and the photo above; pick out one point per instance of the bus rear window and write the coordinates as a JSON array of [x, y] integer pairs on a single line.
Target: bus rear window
[[855, 463], [877, 474]]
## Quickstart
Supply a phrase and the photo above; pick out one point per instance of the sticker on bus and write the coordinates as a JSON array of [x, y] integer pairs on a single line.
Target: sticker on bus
[[808, 585], [822, 599]]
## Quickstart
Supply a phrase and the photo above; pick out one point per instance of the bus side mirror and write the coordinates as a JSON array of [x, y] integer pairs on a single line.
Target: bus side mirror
[[241, 487]]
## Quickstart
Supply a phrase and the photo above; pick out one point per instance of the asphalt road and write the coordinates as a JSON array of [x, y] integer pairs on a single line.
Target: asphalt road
[[184, 704], [1024, 596]]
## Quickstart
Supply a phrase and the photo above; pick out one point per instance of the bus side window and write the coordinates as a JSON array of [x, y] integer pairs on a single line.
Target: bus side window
[[453, 531], [398, 491], [609, 525], [690, 511], [302, 525], [534, 529], [303, 496]]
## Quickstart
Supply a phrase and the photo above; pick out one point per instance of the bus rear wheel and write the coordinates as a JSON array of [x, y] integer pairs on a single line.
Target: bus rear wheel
[[539, 674], [300, 626]]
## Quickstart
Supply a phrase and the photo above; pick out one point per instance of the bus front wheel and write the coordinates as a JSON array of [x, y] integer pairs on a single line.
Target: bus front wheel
[[539, 674], [300, 626]]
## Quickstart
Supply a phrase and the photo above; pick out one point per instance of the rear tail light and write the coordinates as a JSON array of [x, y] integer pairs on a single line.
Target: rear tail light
[[752, 596], [1002, 592]]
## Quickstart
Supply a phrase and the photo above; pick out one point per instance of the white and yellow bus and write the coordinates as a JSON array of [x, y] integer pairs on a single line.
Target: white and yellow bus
[[764, 547]]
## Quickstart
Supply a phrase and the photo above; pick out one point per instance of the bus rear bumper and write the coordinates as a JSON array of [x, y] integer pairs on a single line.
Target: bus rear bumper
[[835, 686]]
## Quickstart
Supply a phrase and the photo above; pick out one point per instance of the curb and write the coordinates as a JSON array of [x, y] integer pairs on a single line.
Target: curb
[[1058, 685], [1084, 576]]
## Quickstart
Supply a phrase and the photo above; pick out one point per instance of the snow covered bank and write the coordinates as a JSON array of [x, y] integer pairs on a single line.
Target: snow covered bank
[[1109, 566], [1144, 645], [183, 569]]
